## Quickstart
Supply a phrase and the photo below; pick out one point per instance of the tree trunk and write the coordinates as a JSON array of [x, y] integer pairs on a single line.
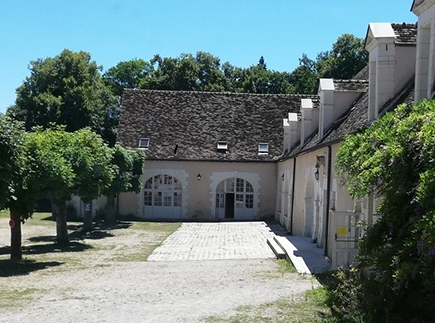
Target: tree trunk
[[15, 225], [110, 210], [54, 210], [61, 225], [87, 218]]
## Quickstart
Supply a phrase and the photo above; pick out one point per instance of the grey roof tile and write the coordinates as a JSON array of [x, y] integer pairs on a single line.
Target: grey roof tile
[[195, 121], [355, 119], [353, 85], [406, 34]]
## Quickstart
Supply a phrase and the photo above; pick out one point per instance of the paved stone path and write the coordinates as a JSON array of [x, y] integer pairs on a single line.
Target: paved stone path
[[210, 241]]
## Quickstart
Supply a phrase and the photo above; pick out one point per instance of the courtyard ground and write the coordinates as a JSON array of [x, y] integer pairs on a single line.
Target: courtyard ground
[[104, 276]]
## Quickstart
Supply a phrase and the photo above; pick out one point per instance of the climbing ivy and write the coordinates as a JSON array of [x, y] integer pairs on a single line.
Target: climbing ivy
[[395, 159]]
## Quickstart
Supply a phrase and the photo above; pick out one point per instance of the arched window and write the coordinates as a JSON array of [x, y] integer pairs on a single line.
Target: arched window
[[162, 191]]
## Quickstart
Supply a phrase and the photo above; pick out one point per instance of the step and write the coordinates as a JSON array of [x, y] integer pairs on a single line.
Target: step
[[277, 250], [290, 250]]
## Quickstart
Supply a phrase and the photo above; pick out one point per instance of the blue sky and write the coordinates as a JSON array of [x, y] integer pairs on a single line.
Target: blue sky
[[238, 31]]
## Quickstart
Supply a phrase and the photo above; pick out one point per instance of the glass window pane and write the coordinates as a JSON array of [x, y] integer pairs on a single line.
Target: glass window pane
[[158, 199], [177, 184], [167, 181], [177, 199], [148, 198], [249, 201], [167, 199], [149, 183], [221, 187], [239, 201], [239, 185], [157, 182], [249, 188], [230, 185]]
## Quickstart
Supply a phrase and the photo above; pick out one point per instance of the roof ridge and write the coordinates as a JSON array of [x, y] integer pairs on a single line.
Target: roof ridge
[[296, 95], [403, 24], [351, 80]]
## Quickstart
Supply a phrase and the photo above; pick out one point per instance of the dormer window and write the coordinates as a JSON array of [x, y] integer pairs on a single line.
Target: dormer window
[[144, 143], [263, 148], [222, 146]]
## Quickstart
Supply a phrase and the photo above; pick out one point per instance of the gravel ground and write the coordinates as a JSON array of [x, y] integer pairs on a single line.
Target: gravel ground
[[102, 290]]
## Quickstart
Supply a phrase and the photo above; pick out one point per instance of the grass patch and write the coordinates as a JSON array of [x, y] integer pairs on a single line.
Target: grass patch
[[163, 230], [307, 308], [286, 266], [164, 227], [11, 298], [4, 214]]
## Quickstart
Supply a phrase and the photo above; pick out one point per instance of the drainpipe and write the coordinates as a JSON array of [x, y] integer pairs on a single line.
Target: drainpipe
[[293, 195], [328, 196]]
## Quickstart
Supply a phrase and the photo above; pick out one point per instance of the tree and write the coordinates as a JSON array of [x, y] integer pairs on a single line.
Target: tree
[[66, 90], [395, 158], [91, 163], [127, 168], [52, 151], [67, 164], [16, 190], [347, 57], [304, 77], [128, 74], [262, 63]]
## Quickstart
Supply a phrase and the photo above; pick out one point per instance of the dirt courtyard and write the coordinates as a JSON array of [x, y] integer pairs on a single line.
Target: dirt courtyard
[[104, 277]]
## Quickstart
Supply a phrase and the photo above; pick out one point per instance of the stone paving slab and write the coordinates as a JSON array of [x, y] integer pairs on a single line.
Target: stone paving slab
[[217, 240]]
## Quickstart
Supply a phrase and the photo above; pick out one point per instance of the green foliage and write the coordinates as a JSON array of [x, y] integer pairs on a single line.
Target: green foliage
[[344, 61], [51, 152], [66, 90], [395, 158], [18, 188], [91, 163], [347, 57], [204, 72], [11, 139], [353, 297], [127, 74], [127, 166], [69, 163]]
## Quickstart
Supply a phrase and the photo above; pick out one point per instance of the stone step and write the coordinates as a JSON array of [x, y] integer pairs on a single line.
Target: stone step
[[291, 255], [277, 250]]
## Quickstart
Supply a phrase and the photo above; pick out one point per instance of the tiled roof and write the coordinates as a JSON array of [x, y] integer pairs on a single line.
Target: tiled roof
[[351, 85], [355, 119], [352, 120], [363, 74], [188, 125], [406, 34]]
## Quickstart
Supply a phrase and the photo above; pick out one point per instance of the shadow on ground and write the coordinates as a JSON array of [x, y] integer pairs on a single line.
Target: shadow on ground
[[38, 249], [276, 228], [9, 268]]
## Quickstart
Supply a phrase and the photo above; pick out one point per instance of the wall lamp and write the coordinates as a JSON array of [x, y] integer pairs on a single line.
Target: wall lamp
[[198, 177]]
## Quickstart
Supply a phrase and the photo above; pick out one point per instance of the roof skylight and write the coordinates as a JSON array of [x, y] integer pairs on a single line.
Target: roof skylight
[[222, 146], [263, 148], [144, 143]]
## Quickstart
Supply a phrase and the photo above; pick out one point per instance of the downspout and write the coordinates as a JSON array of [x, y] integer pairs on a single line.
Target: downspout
[[293, 195], [328, 196]]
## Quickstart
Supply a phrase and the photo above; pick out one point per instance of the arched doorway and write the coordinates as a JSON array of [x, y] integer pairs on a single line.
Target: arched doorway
[[234, 199], [163, 197], [309, 209]]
